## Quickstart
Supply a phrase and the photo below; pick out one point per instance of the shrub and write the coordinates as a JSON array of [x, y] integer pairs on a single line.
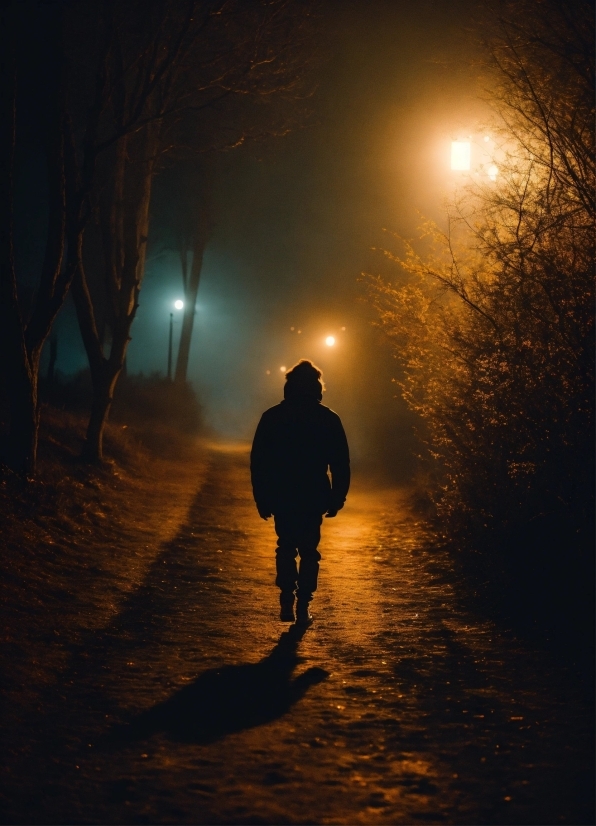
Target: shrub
[[493, 322]]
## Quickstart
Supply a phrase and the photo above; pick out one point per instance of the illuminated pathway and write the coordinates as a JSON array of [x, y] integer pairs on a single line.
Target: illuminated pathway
[[397, 706]]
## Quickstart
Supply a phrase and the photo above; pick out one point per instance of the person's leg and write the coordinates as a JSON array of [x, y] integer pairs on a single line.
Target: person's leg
[[308, 541], [285, 563]]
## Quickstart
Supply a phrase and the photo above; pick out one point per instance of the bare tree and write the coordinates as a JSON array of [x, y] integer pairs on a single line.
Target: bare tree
[[184, 215], [23, 332], [195, 230], [72, 145], [163, 70]]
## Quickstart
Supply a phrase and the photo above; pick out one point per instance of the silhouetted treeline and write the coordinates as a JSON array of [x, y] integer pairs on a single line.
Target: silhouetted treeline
[[108, 93], [494, 326]]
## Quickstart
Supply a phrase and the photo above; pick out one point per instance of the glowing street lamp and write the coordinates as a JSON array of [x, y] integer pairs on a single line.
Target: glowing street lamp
[[330, 341], [461, 155], [178, 304]]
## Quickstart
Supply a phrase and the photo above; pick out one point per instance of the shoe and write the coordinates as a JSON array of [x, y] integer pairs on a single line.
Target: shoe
[[286, 612], [303, 615]]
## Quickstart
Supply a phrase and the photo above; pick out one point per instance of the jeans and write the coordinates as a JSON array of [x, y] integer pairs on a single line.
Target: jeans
[[298, 533]]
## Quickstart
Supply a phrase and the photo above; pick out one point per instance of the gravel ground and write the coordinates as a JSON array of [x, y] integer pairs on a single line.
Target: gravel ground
[[172, 693]]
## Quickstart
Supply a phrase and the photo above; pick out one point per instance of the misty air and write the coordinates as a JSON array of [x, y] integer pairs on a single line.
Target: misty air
[[297, 411]]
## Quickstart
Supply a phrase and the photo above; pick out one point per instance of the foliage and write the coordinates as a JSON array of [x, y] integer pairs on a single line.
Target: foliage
[[493, 321]]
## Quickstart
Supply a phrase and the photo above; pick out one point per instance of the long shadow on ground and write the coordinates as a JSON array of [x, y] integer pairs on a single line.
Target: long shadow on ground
[[231, 698]]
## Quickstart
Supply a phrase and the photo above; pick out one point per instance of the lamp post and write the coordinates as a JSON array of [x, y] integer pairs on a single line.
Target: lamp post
[[178, 304], [170, 347]]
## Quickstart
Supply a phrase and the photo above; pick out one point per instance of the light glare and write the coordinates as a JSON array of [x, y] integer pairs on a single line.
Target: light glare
[[283, 369], [330, 341], [460, 155], [493, 171], [178, 304]]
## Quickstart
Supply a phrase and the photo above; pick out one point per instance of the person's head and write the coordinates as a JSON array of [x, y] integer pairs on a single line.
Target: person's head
[[304, 380]]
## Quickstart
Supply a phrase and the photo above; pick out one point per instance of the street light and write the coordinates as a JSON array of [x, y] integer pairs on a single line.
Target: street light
[[330, 341], [460, 155], [178, 305]]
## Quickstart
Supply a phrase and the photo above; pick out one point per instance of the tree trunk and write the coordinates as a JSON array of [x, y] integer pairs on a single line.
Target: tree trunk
[[125, 274], [200, 237], [98, 365], [190, 300], [103, 396], [52, 363], [24, 420], [20, 375], [20, 345]]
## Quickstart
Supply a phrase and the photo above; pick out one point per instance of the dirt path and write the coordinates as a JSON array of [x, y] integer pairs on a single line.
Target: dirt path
[[194, 704]]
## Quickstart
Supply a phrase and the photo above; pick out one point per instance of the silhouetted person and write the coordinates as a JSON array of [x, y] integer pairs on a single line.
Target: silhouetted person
[[296, 443]]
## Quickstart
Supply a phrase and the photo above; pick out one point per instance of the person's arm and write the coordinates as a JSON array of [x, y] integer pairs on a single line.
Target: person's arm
[[260, 470], [339, 465]]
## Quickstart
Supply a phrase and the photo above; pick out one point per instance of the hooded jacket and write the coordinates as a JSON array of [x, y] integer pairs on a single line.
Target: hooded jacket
[[295, 445]]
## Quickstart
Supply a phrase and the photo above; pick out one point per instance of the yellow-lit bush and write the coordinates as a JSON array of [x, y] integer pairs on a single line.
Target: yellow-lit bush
[[493, 322]]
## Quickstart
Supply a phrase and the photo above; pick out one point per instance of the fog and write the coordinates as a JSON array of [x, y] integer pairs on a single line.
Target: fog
[[297, 218]]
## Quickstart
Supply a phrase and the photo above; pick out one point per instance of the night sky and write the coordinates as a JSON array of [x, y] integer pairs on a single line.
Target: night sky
[[296, 220]]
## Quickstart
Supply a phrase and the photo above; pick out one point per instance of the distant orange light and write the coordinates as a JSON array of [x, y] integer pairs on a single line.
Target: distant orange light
[[330, 341], [283, 369]]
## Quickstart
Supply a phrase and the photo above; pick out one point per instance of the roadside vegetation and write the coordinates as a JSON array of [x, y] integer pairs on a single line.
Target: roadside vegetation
[[105, 97], [491, 317], [78, 537]]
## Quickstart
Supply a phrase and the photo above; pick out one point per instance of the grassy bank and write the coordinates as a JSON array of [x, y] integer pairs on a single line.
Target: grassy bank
[[78, 538]]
